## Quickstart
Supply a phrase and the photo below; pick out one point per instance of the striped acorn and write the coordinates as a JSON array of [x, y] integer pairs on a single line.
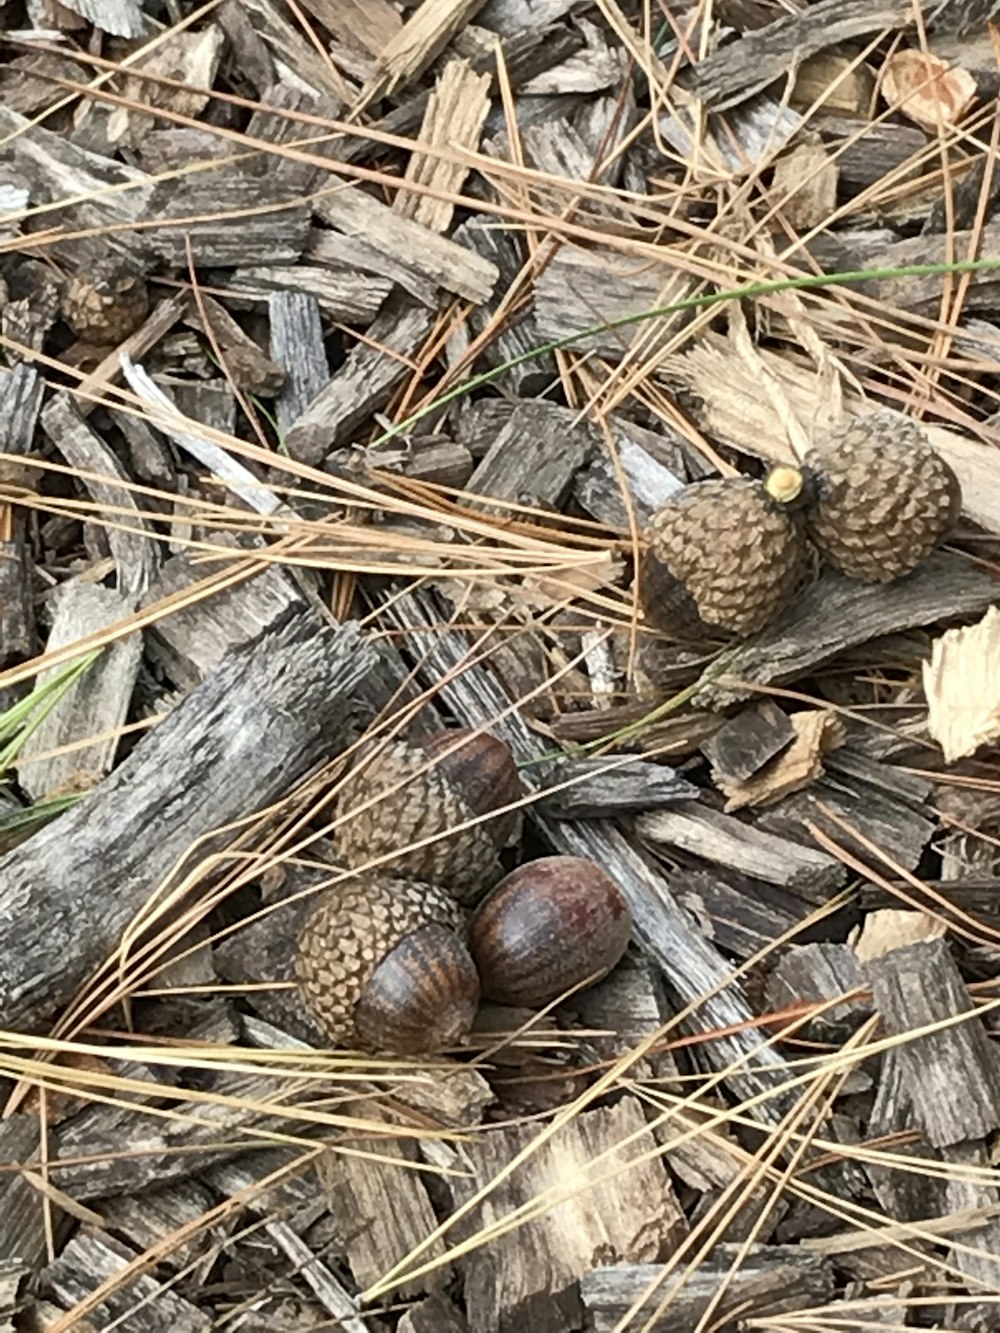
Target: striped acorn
[[381, 965], [440, 783], [725, 554], [882, 497]]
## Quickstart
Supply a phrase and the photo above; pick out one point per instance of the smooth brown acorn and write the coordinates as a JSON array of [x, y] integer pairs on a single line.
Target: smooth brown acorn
[[442, 782], [725, 554], [381, 965], [549, 926], [883, 498]]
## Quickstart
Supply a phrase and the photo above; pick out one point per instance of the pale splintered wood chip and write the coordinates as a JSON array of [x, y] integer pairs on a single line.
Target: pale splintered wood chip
[[962, 684], [816, 732], [893, 928], [456, 110], [928, 90], [121, 18], [420, 40]]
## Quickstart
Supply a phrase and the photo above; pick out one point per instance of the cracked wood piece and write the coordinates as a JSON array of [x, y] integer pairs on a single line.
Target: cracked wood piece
[[692, 967], [583, 289], [860, 793], [836, 613], [364, 383], [297, 347], [90, 1259], [227, 219], [120, 18], [250, 368], [518, 334], [239, 1177], [746, 67], [380, 1211], [22, 1225], [353, 254], [745, 743], [953, 1075], [171, 421], [727, 841], [769, 1281], [136, 553], [420, 41], [456, 111], [529, 1278], [432, 258], [21, 391], [527, 52], [738, 914], [54, 168], [145, 1218], [347, 298], [371, 24], [535, 456], [651, 483], [270, 714], [96, 704], [607, 788]]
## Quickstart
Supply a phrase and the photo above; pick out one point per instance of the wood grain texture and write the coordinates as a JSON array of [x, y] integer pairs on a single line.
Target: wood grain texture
[[262, 721]]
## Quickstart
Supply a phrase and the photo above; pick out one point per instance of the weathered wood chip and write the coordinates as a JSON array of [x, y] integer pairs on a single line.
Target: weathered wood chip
[[962, 684], [816, 732]]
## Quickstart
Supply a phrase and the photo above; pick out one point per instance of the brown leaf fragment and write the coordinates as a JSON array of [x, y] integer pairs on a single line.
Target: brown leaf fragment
[[816, 732], [927, 89], [962, 684]]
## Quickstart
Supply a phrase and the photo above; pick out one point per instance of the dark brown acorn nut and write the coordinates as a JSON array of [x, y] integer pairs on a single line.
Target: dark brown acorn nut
[[884, 498], [547, 927], [726, 553], [478, 777], [381, 965]]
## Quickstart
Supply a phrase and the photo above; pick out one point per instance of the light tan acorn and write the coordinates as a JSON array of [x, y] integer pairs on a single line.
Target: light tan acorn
[[726, 553], [882, 497], [442, 783], [382, 966], [550, 925]]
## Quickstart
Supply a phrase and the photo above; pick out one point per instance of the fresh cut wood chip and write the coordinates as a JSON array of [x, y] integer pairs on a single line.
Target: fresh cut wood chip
[[962, 684], [816, 732]]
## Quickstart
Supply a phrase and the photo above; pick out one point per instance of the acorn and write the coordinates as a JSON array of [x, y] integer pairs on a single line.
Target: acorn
[[381, 966], [883, 497], [476, 778], [726, 553], [546, 928]]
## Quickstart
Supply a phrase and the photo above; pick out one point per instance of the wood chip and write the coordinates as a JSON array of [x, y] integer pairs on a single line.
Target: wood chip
[[96, 705], [66, 894], [456, 110], [529, 1277], [422, 37], [953, 1072], [893, 928], [929, 90], [962, 684], [816, 732]]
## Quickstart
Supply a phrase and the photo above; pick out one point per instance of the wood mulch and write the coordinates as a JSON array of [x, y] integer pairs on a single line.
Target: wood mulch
[[337, 387]]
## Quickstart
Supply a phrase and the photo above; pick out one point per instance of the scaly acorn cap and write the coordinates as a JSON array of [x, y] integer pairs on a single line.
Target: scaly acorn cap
[[727, 552], [883, 497], [439, 784], [382, 964]]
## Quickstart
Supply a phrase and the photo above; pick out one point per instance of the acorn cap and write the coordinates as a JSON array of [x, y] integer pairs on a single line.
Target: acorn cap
[[381, 964], [727, 552], [883, 499], [435, 793]]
